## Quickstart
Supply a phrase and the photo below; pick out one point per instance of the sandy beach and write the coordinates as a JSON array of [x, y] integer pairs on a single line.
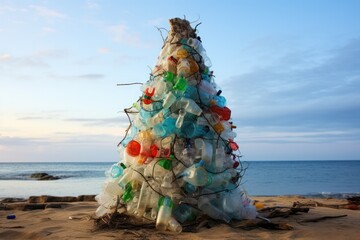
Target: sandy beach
[[74, 220]]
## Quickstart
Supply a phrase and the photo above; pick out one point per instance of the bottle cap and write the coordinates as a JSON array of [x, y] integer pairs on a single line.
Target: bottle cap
[[165, 201], [165, 163]]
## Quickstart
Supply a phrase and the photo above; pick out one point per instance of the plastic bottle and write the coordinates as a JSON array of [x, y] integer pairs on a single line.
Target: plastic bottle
[[181, 84], [167, 180], [196, 175], [206, 150], [128, 194], [237, 209], [153, 200], [106, 201], [181, 53], [219, 180], [125, 178], [183, 213], [194, 67], [133, 148], [164, 214], [157, 118], [183, 67], [218, 160], [191, 130], [188, 155], [116, 171], [189, 188], [165, 128], [180, 118], [143, 199], [145, 150], [223, 112], [169, 77], [171, 65], [215, 122], [219, 101], [211, 210], [169, 99], [174, 226], [112, 188], [188, 105], [196, 44]]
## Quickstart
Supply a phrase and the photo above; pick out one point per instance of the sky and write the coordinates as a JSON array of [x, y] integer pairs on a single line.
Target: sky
[[290, 71]]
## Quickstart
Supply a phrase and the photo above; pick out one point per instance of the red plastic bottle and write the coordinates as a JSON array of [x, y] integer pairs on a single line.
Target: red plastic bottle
[[133, 148]]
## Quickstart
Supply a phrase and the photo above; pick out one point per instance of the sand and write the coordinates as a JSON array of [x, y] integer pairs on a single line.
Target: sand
[[73, 221]]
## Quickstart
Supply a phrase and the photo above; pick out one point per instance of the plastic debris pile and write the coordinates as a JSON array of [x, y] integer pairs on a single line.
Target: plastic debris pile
[[179, 156]]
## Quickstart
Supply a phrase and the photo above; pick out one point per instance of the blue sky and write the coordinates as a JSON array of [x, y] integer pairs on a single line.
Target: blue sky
[[290, 71]]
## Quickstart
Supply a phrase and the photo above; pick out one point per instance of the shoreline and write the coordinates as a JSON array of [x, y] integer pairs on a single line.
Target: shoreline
[[340, 196], [73, 219]]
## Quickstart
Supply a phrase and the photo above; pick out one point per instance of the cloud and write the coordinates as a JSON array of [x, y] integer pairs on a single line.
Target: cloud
[[90, 76], [121, 33], [115, 121], [67, 138], [20, 141], [5, 9], [92, 5], [36, 59], [303, 97], [289, 94], [47, 12], [5, 57]]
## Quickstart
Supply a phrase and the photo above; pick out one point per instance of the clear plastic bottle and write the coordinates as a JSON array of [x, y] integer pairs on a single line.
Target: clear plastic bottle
[[116, 170], [174, 226], [196, 175], [169, 100], [183, 213], [211, 210], [206, 149], [188, 156], [164, 214], [143, 199], [125, 178], [188, 105], [180, 118]]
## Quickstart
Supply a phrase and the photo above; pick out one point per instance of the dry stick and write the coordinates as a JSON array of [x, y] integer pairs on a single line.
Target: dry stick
[[322, 218]]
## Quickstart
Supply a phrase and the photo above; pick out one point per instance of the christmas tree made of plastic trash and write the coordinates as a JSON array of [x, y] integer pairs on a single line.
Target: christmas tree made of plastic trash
[[180, 160]]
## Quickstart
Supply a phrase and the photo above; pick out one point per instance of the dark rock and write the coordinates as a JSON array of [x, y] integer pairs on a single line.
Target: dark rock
[[46, 199], [86, 198], [34, 206], [12, 200], [24, 206], [43, 176], [53, 205]]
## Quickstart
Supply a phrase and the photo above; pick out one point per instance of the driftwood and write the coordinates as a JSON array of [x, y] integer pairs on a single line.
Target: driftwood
[[353, 204], [252, 224], [122, 221], [321, 218], [287, 213]]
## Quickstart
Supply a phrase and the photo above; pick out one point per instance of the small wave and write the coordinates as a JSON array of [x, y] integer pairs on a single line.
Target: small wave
[[332, 195]]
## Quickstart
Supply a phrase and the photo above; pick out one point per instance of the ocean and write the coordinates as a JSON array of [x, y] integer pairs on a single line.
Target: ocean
[[262, 178]]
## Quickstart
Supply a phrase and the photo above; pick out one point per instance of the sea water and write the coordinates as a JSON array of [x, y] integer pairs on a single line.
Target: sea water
[[262, 178]]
